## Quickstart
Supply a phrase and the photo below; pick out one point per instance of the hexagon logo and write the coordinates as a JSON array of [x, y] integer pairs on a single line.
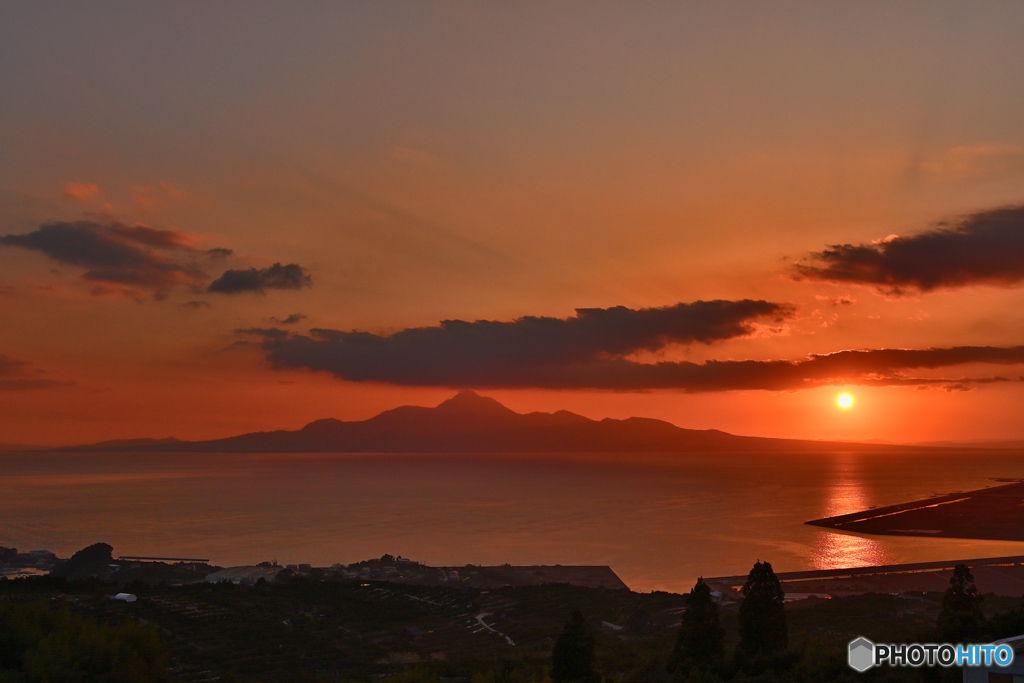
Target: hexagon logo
[[862, 654]]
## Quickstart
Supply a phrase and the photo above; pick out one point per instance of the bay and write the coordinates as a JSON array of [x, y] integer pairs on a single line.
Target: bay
[[659, 520]]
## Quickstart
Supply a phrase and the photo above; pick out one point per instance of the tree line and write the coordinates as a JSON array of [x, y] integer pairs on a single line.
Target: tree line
[[43, 644], [763, 653]]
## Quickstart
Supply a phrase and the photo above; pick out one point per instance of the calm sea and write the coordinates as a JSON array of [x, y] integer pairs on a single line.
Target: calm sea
[[658, 520]]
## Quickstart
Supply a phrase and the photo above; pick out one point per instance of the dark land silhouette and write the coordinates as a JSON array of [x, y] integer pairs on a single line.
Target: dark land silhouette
[[991, 513], [306, 626], [1002, 576], [470, 423]]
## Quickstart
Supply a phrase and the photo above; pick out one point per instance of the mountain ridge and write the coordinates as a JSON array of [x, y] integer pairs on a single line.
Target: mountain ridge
[[471, 423]]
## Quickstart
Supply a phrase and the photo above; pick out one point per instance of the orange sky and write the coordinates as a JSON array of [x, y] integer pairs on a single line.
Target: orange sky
[[447, 161]]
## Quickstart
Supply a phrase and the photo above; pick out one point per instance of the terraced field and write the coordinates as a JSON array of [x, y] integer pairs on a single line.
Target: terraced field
[[338, 630]]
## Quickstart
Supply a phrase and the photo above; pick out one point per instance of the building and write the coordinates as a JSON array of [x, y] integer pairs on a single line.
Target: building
[[1000, 674], [246, 576]]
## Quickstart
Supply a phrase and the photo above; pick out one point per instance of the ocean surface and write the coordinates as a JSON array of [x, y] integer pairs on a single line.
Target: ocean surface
[[659, 521]]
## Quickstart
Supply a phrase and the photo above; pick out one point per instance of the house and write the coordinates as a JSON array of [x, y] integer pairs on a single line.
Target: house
[[1000, 674]]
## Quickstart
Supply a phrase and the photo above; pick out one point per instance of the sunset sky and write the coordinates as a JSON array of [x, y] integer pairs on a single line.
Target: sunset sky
[[219, 218]]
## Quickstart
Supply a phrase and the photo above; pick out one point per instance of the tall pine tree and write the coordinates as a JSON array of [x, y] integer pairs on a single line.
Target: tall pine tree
[[961, 619], [700, 643], [572, 659], [762, 616]]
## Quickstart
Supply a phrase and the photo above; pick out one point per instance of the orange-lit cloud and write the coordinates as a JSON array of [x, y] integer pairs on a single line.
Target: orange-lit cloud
[[149, 198], [80, 192], [967, 161]]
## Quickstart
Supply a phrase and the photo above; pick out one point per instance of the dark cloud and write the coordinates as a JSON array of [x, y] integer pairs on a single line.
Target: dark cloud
[[29, 383], [589, 352], [195, 305], [11, 366], [982, 248], [135, 259], [838, 301], [17, 375], [529, 351], [265, 332], [290, 320], [115, 254], [290, 276]]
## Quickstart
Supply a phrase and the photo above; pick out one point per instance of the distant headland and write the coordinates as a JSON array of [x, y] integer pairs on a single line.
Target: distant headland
[[470, 423], [992, 513]]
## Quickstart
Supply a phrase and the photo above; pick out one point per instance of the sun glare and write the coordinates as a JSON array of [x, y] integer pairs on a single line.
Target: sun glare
[[845, 401]]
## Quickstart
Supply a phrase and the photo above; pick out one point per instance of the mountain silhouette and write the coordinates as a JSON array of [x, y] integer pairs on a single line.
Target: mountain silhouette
[[470, 423]]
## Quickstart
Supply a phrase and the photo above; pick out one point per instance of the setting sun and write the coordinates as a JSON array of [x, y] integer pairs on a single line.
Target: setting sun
[[845, 401]]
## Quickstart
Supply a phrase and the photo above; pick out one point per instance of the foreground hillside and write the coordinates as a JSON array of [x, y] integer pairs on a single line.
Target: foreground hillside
[[343, 630]]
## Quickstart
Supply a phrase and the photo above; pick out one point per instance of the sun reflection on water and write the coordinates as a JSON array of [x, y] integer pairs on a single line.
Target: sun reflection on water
[[835, 550], [845, 495]]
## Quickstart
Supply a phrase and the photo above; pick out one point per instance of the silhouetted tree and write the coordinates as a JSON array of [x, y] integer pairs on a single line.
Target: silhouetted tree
[[762, 616], [699, 644], [961, 619], [86, 562], [572, 659]]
